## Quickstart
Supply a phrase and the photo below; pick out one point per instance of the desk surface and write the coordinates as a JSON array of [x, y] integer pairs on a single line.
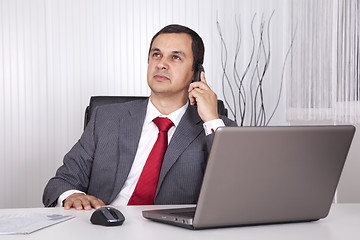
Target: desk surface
[[343, 222]]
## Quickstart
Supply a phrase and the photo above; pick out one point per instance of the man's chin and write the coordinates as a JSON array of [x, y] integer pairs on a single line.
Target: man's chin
[[160, 87], [161, 92]]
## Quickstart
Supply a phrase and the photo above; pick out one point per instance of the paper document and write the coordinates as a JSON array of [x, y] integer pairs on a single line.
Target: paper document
[[24, 223]]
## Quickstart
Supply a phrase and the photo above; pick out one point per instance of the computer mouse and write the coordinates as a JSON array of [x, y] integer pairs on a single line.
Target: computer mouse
[[107, 216]]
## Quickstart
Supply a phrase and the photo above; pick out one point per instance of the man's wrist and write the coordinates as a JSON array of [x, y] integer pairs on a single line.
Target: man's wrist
[[211, 126]]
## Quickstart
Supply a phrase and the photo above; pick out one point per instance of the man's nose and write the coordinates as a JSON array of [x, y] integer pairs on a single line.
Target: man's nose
[[163, 64]]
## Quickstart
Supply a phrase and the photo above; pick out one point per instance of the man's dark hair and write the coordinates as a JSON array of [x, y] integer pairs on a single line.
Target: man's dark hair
[[197, 45]]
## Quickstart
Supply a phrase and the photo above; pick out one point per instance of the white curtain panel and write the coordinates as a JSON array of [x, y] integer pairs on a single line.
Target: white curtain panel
[[323, 81]]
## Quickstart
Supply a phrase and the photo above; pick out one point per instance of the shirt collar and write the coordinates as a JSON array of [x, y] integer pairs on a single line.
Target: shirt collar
[[175, 117]]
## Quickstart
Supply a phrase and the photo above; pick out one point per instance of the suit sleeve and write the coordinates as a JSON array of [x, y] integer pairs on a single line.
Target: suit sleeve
[[75, 171]]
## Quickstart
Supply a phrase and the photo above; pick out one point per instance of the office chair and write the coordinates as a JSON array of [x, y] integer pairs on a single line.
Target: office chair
[[96, 101]]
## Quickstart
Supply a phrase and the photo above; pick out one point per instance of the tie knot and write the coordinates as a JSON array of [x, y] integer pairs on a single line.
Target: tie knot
[[163, 124]]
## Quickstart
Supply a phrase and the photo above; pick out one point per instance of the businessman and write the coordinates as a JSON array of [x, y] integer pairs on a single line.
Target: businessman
[[146, 152]]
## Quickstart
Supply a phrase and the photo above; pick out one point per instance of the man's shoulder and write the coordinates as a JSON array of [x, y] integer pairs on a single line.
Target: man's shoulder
[[121, 107], [111, 113]]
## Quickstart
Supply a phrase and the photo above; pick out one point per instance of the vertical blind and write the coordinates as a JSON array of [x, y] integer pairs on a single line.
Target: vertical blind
[[325, 76]]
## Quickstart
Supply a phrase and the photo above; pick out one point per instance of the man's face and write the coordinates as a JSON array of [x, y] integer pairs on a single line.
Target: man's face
[[170, 64]]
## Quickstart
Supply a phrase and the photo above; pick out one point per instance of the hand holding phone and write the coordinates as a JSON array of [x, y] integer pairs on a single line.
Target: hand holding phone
[[201, 95]]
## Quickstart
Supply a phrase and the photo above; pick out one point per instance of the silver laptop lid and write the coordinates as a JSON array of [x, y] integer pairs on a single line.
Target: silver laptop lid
[[261, 175]]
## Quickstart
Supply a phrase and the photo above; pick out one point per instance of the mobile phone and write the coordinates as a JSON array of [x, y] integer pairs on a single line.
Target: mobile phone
[[197, 73]]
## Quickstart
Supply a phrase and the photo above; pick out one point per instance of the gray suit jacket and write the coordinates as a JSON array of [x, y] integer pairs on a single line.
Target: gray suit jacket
[[101, 160]]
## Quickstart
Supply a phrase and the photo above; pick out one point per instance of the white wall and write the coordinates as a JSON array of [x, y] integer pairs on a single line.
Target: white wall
[[55, 54], [348, 190]]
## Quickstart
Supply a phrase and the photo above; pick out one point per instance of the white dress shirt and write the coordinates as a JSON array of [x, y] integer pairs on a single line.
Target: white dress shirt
[[147, 140]]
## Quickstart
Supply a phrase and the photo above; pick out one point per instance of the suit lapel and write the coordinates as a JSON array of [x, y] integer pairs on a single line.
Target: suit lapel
[[129, 137], [189, 128]]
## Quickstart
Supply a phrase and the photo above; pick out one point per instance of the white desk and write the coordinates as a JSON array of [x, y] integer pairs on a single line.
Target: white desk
[[343, 222]]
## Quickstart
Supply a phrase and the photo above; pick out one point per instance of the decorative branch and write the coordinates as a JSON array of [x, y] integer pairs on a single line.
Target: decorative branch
[[224, 75], [251, 97]]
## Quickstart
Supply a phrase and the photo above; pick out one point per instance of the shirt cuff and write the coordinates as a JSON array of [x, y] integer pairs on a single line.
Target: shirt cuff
[[211, 126], [64, 195]]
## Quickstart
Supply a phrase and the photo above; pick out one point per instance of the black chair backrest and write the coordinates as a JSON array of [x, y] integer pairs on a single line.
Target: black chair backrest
[[96, 101]]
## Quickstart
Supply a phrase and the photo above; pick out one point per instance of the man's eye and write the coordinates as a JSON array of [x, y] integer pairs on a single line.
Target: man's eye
[[176, 57], [156, 54]]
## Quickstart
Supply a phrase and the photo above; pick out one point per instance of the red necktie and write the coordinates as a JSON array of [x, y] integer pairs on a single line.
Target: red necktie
[[145, 189]]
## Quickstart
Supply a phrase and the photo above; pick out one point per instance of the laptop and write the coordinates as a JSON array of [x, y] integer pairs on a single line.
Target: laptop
[[266, 175]]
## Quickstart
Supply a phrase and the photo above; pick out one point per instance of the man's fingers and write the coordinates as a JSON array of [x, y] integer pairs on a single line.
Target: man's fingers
[[101, 202], [201, 85], [85, 204], [202, 77], [97, 203], [67, 205], [192, 100], [78, 204], [81, 201]]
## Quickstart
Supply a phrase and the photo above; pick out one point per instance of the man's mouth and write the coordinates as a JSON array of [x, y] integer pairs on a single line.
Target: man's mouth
[[161, 77]]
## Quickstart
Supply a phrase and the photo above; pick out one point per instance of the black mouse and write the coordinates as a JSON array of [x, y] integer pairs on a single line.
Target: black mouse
[[107, 216]]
